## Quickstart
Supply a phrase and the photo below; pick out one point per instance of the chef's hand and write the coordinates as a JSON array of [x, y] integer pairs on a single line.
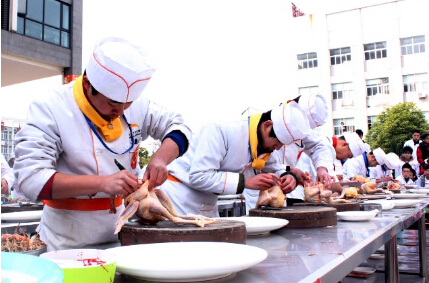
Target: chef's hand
[[4, 187], [156, 172], [121, 183], [287, 183], [261, 182], [387, 179], [324, 177], [303, 177]]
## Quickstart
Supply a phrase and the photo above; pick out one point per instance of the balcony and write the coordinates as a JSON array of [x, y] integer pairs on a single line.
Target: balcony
[[379, 100]]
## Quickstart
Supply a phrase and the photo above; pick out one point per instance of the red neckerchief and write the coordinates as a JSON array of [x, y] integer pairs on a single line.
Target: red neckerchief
[[334, 142]]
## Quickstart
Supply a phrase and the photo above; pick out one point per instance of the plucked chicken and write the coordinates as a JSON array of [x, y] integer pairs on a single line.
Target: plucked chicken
[[273, 197], [317, 193]]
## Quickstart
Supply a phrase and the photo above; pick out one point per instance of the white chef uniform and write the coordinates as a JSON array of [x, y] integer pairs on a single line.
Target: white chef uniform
[[402, 181], [7, 173], [57, 138], [414, 165], [218, 154], [411, 144], [359, 165]]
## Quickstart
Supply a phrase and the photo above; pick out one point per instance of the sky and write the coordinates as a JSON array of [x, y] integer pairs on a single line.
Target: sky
[[214, 59]]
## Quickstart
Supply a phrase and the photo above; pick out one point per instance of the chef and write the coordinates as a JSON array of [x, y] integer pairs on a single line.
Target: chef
[[225, 158], [67, 148], [382, 174], [7, 177], [361, 164], [314, 148]]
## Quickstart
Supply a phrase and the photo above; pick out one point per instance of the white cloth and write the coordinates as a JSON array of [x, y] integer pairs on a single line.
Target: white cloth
[[354, 166], [290, 123], [355, 143], [392, 160], [380, 156], [218, 153], [377, 172], [402, 181], [414, 164], [7, 172], [56, 138], [316, 109], [411, 144], [118, 69]]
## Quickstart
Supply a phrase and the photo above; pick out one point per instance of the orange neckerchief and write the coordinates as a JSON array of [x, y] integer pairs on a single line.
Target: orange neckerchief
[[257, 163]]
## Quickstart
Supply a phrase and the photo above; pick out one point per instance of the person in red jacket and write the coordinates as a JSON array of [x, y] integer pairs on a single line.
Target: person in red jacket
[[422, 152]]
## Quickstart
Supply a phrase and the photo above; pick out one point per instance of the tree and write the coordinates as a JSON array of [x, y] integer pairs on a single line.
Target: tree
[[144, 156], [395, 125]]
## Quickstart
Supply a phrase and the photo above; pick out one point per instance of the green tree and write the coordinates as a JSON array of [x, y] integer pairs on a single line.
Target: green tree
[[395, 125], [144, 156]]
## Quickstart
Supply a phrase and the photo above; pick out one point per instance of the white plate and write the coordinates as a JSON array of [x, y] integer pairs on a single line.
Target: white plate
[[185, 261], [377, 256], [356, 215], [385, 205], [403, 203], [410, 186], [419, 191], [259, 225], [408, 196], [22, 216], [366, 270]]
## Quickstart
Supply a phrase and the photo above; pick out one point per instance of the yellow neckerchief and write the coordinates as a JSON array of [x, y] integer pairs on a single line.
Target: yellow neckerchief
[[257, 163], [110, 131]]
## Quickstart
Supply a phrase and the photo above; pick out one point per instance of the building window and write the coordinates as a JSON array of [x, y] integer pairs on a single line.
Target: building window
[[307, 60], [47, 20], [371, 120], [415, 82], [375, 86], [308, 90], [340, 55], [342, 91], [344, 125], [375, 50], [411, 45]]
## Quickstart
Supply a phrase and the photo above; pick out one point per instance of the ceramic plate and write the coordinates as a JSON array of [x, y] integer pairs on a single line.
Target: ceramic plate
[[356, 215], [259, 225], [419, 191], [185, 261], [366, 270], [385, 205], [22, 216], [403, 203], [408, 196], [410, 186], [377, 256]]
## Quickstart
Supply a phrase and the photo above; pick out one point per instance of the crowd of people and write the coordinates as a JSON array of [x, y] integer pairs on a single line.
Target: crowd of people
[[67, 151]]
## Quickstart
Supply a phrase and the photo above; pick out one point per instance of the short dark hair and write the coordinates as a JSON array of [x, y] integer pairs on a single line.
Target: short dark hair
[[359, 132], [416, 131], [407, 149], [424, 136], [425, 166], [265, 117], [407, 166], [93, 90]]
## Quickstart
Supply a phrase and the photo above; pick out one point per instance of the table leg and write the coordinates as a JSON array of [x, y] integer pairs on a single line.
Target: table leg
[[391, 270], [422, 248]]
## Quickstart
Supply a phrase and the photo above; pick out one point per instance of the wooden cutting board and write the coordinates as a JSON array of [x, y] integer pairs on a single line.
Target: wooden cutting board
[[165, 231], [301, 216], [351, 206]]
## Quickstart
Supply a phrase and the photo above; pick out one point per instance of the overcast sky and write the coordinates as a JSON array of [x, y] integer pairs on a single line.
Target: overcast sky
[[214, 59]]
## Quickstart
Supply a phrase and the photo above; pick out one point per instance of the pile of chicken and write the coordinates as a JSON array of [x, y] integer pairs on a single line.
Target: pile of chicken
[[154, 206], [317, 193], [20, 243], [369, 187]]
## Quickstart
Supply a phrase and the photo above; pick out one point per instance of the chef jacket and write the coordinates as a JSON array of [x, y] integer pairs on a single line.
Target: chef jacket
[[377, 172], [7, 172], [402, 181], [355, 166], [414, 165], [211, 167], [57, 138]]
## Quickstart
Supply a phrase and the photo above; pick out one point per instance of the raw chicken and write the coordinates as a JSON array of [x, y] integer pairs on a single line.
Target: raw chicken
[[317, 193], [369, 188], [393, 186], [361, 179], [154, 206], [273, 197]]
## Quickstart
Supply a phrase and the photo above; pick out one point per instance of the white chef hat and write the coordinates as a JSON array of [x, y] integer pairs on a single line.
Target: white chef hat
[[355, 144], [380, 156], [392, 161], [366, 147], [315, 107], [118, 69], [289, 123]]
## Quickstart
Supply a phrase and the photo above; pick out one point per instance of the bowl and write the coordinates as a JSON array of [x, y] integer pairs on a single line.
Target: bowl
[[84, 265], [18, 267]]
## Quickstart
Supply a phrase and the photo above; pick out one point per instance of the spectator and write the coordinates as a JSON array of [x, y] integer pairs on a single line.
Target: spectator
[[414, 175], [414, 142], [423, 181], [405, 178], [359, 132], [407, 157], [422, 152]]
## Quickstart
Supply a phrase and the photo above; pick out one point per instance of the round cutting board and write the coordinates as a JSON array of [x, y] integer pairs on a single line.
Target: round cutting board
[[350, 206], [165, 231], [301, 216]]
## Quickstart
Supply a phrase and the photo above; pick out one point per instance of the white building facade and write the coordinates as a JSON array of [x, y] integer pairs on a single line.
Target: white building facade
[[363, 60]]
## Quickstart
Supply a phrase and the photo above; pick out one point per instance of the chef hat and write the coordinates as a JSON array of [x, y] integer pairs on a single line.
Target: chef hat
[[316, 108], [366, 147], [380, 156], [290, 123], [392, 161], [119, 69], [355, 144]]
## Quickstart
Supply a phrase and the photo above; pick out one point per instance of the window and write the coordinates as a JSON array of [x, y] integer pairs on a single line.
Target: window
[[47, 20], [371, 120], [308, 90], [411, 45], [340, 55], [375, 50], [343, 125], [377, 86], [415, 82], [307, 60], [342, 91]]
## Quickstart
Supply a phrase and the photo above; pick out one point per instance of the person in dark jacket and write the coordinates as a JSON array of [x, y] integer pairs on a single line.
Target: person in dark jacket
[[422, 152]]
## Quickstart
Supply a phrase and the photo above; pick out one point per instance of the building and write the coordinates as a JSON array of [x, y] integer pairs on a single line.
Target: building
[[364, 59], [39, 39]]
